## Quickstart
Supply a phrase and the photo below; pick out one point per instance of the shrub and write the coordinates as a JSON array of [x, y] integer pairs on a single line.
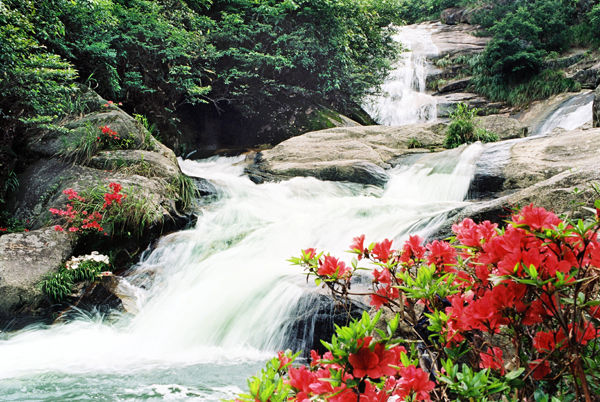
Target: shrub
[[462, 128], [491, 314]]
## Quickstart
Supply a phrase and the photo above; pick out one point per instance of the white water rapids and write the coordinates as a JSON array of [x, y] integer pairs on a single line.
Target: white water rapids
[[223, 291], [215, 301]]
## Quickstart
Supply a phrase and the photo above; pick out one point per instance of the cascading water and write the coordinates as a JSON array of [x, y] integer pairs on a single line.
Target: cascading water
[[218, 298], [404, 100], [569, 115]]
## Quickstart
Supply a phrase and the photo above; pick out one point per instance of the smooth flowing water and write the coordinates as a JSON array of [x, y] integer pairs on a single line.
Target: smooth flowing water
[[569, 115], [215, 301], [404, 99]]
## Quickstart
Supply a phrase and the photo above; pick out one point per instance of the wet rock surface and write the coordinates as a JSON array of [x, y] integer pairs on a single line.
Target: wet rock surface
[[25, 259], [360, 154]]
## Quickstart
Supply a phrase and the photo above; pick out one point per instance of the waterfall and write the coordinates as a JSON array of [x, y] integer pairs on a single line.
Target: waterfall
[[403, 99], [217, 299]]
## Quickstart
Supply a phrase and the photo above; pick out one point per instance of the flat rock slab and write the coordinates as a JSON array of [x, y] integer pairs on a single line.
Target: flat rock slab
[[454, 39], [359, 154]]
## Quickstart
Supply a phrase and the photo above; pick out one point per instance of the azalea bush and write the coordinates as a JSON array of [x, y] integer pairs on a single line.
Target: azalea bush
[[490, 313]]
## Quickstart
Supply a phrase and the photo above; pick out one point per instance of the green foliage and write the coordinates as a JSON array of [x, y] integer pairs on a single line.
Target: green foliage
[[540, 86], [80, 145], [270, 386], [414, 143], [162, 57], [468, 383], [58, 286], [130, 217], [185, 190], [462, 128], [418, 10]]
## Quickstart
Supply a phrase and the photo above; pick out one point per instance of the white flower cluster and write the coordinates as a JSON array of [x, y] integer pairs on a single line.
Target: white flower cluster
[[73, 263]]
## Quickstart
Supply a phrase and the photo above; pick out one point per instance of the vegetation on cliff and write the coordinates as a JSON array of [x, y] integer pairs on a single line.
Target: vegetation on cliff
[[526, 35]]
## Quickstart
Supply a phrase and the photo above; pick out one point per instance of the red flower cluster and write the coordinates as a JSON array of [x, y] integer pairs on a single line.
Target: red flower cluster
[[111, 104], [108, 134], [81, 214], [369, 363], [114, 196], [519, 281]]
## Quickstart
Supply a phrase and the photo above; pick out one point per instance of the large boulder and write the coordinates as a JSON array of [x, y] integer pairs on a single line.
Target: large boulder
[[25, 258], [511, 166], [456, 85], [359, 154], [587, 73], [504, 126], [563, 193], [538, 159], [356, 154], [147, 171]]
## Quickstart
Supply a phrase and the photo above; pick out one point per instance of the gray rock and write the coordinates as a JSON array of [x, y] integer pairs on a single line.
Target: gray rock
[[540, 158], [359, 154], [25, 258], [457, 39], [510, 166], [596, 108], [446, 103], [562, 194], [502, 125], [454, 85], [452, 16], [589, 77], [51, 143]]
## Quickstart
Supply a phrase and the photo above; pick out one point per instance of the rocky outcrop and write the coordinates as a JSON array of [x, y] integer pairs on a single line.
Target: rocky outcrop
[[586, 72], [457, 39], [25, 258], [459, 15], [315, 319], [446, 103], [454, 85], [359, 154], [504, 126], [516, 166], [68, 156]]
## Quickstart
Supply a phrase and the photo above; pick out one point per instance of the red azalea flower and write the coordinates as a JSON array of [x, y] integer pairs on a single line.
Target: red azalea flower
[[380, 298], [540, 368], [332, 266], [358, 246], [492, 359], [382, 276], [309, 253], [442, 254], [536, 218], [283, 359], [414, 381], [382, 250]]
